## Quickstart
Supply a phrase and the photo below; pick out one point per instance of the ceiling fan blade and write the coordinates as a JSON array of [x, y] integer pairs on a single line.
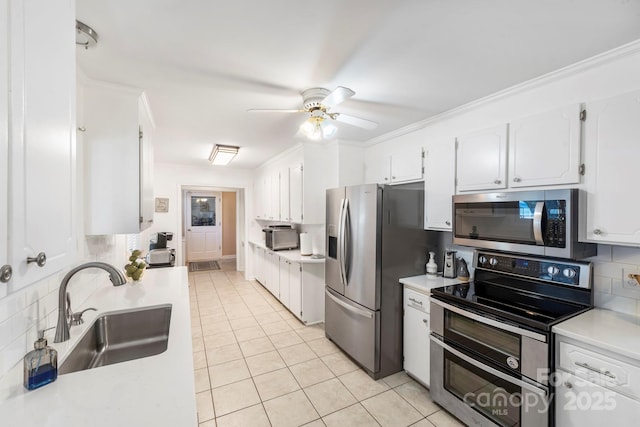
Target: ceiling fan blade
[[356, 121], [272, 110], [337, 96]]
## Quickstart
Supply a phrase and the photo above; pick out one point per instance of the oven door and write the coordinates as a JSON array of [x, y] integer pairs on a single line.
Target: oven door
[[516, 350], [481, 395]]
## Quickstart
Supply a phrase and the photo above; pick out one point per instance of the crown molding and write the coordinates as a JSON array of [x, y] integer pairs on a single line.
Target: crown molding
[[601, 59]]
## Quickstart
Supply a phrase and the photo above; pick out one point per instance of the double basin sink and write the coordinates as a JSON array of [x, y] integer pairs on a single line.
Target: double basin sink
[[120, 337]]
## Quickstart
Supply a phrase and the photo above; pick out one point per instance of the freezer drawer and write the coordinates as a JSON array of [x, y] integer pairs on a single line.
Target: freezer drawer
[[354, 328]]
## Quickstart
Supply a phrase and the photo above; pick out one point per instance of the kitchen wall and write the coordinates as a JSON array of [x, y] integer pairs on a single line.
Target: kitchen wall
[[169, 179], [606, 75]]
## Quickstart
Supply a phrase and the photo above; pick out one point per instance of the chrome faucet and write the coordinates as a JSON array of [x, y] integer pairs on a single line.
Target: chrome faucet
[[62, 329]]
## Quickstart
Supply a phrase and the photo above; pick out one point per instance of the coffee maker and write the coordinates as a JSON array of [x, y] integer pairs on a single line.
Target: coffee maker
[[159, 255]]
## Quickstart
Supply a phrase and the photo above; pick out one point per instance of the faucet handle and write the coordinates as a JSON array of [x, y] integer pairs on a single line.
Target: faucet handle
[[76, 318]]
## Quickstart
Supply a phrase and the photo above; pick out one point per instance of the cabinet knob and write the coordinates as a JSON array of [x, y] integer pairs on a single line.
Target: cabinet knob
[[5, 273], [386, 179], [516, 179], [40, 259], [567, 384], [448, 222], [393, 177], [497, 182], [597, 232], [425, 321]]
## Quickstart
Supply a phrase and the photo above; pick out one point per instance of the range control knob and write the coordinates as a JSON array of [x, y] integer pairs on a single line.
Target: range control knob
[[569, 273], [493, 262], [482, 259], [553, 270]]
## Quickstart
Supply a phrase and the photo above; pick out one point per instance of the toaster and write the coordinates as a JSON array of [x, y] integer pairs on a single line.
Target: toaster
[[164, 256], [279, 237]]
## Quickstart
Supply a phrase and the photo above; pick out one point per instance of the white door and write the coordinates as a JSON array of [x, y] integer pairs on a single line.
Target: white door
[[284, 282], [406, 165], [4, 145], [612, 149], [295, 193], [295, 289], [203, 231], [482, 160], [439, 181]]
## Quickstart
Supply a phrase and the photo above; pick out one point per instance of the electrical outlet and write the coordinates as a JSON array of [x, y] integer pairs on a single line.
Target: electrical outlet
[[631, 278]]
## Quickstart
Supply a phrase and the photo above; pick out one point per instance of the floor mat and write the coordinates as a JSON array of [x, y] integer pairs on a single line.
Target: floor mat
[[204, 265]]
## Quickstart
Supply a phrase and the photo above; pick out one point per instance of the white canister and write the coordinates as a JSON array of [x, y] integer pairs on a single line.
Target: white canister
[[305, 244]]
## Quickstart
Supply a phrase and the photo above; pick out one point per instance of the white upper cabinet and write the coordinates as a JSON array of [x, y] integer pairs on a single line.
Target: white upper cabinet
[[482, 160], [40, 138], [406, 166], [285, 197], [5, 268], [439, 182], [296, 186], [118, 160], [612, 150], [545, 149]]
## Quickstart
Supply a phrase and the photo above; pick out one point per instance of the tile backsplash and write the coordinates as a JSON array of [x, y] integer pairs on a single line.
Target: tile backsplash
[[35, 307], [612, 290]]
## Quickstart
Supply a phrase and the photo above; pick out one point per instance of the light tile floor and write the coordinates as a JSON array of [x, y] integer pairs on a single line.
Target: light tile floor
[[256, 365]]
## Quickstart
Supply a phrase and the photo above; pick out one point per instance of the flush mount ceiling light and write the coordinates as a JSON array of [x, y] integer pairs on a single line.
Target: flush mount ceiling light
[[317, 128], [221, 155], [85, 35]]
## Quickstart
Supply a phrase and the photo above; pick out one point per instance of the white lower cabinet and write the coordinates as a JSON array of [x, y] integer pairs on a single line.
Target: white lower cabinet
[[298, 286], [416, 335]]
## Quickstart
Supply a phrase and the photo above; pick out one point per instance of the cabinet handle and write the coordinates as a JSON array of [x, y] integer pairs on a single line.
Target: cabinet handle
[[40, 259], [591, 368], [516, 179], [448, 222], [497, 182], [5, 273], [393, 177], [386, 179], [425, 321], [567, 384], [597, 232]]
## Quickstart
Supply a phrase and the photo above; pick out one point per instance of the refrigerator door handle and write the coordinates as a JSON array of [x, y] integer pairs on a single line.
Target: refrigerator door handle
[[346, 231], [349, 307], [340, 248]]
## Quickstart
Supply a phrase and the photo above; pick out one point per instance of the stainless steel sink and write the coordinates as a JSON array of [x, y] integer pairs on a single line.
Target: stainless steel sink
[[119, 337]]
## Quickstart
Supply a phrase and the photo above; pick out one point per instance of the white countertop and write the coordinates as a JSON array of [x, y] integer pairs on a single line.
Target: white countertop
[[610, 330], [152, 391], [292, 255], [424, 283]]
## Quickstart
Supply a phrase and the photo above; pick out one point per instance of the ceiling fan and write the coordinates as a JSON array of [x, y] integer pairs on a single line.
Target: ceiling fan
[[318, 103]]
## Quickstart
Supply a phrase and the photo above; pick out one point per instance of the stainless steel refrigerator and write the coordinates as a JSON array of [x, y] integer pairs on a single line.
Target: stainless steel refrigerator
[[375, 235]]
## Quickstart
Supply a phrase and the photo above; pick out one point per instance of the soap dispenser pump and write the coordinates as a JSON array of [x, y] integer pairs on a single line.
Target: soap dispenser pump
[[40, 364], [432, 267]]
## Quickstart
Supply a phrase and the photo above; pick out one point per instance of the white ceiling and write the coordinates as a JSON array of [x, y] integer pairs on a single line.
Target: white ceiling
[[203, 63]]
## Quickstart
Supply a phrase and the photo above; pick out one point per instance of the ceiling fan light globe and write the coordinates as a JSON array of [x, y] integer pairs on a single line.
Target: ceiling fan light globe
[[328, 130]]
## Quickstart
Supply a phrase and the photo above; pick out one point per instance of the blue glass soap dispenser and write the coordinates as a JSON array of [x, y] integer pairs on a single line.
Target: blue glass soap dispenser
[[40, 364]]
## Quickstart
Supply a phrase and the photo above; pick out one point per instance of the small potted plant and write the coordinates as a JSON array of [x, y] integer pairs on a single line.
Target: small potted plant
[[135, 268]]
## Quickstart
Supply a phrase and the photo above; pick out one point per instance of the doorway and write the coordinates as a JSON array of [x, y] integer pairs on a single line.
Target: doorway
[[204, 222]]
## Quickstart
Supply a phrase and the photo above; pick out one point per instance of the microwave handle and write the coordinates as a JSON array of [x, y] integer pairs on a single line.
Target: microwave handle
[[495, 372], [537, 223]]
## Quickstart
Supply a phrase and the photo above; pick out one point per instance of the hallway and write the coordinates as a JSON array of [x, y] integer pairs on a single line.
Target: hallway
[[257, 365]]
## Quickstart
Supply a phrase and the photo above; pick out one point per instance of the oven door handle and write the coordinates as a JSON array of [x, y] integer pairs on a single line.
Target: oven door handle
[[490, 322], [537, 223], [523, 384]]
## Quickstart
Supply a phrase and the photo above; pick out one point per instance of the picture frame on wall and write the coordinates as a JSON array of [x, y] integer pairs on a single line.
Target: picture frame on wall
[[162, 204]]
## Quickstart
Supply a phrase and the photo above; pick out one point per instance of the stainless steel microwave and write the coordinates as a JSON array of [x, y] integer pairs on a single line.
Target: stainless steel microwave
[[541, 222]]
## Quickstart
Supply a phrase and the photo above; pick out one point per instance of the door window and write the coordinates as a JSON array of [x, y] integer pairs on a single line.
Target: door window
[[203, 211]]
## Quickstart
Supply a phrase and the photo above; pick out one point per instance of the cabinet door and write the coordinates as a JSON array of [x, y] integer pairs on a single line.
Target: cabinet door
[[440, 159], [295, 193], [259, 265], [416, 342], [481, 160], [4, 139], [42, 137], [284, 282], [274, 214], [545, 149], [258, 199], [612, 150], [284, 195], [273, 273], [580, 403], [295, 289], [378, 169], [406, 165], [266, 196]]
